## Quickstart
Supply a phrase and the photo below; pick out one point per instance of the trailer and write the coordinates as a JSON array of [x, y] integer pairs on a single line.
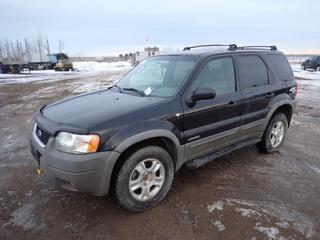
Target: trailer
[[56, 61]]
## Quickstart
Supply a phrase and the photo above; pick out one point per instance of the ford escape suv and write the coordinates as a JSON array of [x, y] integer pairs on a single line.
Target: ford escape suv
[[175, 109]]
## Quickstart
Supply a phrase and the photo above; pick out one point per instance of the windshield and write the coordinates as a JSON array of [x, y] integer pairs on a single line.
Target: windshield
[[312, 58], [158, 76]]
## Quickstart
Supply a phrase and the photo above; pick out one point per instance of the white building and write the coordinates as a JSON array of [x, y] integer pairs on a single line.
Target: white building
[[139, 56]]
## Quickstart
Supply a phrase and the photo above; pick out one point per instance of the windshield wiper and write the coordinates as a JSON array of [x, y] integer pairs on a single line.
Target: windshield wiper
[[135, 90], [116, 86]]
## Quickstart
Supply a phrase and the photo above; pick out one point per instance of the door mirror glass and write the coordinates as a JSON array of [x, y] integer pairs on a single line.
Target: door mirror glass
[[203, 93]]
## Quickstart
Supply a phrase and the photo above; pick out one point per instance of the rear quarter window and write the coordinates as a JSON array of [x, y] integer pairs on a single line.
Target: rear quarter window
[[280, 64]]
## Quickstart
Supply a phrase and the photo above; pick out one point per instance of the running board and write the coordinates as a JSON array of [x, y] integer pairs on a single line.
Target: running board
[[198, 162]]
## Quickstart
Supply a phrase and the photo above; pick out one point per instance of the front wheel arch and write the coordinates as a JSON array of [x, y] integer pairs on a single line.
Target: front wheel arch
[[164, 142]]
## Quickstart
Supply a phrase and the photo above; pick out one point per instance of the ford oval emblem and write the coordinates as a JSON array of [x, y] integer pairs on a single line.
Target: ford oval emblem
[[39, 133]]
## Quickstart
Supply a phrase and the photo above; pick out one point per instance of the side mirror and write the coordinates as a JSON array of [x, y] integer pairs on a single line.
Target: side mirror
[[202, 93]]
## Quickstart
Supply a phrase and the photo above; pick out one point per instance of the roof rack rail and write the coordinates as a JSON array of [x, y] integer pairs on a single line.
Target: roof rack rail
[[231, 46], [273, 48]]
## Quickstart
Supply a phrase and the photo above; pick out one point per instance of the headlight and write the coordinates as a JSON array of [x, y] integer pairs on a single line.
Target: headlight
[[74, 143]]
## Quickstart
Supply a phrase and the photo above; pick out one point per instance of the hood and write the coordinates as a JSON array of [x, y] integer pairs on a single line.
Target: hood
[[94, 108]]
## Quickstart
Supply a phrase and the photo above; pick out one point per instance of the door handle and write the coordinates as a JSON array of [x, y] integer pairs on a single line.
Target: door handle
[[269, 95], [232, 104]]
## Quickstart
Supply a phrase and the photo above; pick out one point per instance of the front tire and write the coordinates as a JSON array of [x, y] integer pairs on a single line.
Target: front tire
[[274, 134], [144, 179]]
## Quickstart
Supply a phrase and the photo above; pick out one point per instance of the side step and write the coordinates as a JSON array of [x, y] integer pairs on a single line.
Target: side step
[[198, 162]]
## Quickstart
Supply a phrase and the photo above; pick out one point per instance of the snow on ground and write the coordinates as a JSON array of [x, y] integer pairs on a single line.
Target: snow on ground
[[218, 205], [92, 66], [305, 74], [219, 225], [36, 76], [271, 233], [81, 68]]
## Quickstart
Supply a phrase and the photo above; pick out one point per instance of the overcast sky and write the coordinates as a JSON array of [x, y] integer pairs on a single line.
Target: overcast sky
[[102, 27]]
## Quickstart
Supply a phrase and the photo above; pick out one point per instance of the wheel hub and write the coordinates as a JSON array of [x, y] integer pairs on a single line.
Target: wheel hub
[[277, 134], [147, 179]]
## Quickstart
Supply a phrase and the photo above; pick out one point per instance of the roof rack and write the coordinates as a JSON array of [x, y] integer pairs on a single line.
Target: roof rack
[[231, 46], [273, 48]]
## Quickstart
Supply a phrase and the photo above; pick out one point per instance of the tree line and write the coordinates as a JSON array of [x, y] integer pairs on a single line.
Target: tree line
[[18, 52]]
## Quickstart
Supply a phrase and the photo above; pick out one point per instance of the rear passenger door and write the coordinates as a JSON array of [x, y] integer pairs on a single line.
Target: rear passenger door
[[257, 92], [211, 124]]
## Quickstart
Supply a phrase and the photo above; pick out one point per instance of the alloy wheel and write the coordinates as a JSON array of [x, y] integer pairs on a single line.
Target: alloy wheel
[[146, 179]]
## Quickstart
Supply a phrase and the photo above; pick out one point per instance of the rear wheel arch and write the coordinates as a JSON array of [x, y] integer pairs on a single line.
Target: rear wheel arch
[[286, 109], [285, 106]]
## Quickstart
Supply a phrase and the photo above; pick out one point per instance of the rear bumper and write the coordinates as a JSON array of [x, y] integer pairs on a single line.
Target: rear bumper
[[90, 173]]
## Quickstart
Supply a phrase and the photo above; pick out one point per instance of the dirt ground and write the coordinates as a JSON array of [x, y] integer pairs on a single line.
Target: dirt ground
[[243, 195]]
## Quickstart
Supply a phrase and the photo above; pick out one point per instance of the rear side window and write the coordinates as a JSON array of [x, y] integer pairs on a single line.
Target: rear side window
[[281, 66], [253, 71]]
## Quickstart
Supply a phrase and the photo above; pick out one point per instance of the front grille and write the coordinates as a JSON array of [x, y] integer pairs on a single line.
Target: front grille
[[42, 135]]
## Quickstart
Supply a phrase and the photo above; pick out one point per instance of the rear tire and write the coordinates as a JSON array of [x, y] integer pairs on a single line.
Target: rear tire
[[303, 67], [274, 134], [318, 68], [144, 179]]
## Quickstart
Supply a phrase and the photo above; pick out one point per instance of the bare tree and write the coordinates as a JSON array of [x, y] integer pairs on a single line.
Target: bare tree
[[1, 51], [25, 51], [47, 46], [60, 46], [7, 48], [28, 50], [19, 53], [40, 47]]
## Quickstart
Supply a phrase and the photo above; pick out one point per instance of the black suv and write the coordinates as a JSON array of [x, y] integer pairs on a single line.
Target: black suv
[[311, 63], [184, 108]]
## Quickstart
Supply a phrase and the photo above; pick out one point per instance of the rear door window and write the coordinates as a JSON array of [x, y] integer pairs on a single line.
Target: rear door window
[[281, 66], [253, 71]]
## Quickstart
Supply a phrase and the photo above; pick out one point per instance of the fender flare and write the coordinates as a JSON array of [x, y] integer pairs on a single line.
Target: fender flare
[[125, 144], [153, 134], [274, 109]]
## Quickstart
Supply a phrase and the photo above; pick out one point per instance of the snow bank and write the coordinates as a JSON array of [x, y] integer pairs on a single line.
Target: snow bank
[[305, 74], [92, 66], [33, 76], [86, 68]]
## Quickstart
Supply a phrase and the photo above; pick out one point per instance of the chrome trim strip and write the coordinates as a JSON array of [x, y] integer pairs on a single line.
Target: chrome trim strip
[[253, 124], [35, 137], [211, 138]]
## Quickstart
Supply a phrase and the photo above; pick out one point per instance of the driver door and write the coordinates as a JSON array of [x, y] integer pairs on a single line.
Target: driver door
[[214, 123]]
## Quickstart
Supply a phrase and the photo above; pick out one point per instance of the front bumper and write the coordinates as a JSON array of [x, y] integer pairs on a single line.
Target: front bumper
[[90, 173]]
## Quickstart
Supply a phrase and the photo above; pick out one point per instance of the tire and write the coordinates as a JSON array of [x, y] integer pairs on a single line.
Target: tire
[[318, 68], [57, 69], [128, 174], [303, 67], [270, 142]]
